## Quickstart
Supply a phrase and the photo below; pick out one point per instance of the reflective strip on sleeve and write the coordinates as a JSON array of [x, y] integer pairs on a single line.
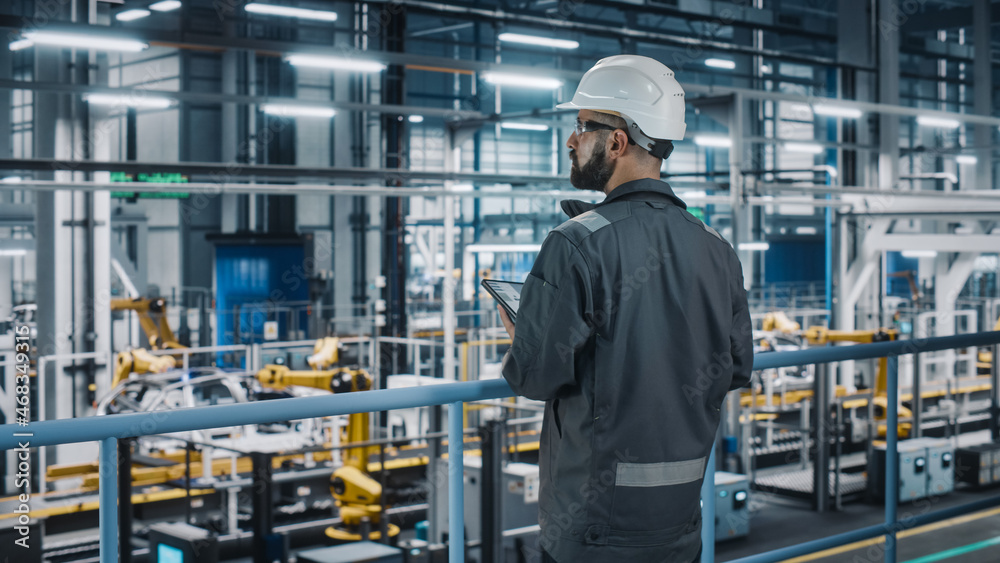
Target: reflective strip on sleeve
[[592, 220], [659, 474]]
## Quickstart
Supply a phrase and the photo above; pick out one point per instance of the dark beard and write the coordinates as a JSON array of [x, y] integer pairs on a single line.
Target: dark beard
[[594, 175]]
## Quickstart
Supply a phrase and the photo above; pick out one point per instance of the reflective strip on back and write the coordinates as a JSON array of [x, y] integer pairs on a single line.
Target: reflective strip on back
[[659, 474], [592, 220]]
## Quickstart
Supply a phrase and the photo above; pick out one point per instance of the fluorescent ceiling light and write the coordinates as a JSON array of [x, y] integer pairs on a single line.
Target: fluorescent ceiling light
[[539, 82], [720, 63], [811, 148], [837, 111], [966, 159], [11, 180], [941, 122], [21, 44], [131, 15], [694, 194], [297, 111], [13, 252], [335, 63], [165, 5], [540, 41], [416, 119], [288, 12], [919, 253], [84, 41], [717, 141], [761, 246], [525, 126], [805, 230], [136, 101]]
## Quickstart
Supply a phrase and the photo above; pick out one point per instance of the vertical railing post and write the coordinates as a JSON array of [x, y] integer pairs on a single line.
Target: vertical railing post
[[821, 467], [456, 501], [918, 401], [891, 458], [263, 504], [491, 520], [109, 500], [435, 509], [708, 511], [125, 500]]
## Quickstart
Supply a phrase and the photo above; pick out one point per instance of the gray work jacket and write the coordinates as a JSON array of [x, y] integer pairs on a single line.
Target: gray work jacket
[[632, 327]]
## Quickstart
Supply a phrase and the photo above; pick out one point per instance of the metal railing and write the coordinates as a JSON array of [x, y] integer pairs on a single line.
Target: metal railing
[[892, 524], [109, 429]]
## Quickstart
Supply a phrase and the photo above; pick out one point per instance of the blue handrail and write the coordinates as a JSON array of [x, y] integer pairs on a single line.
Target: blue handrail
[[826, 354], [108, 429], [131, 425]]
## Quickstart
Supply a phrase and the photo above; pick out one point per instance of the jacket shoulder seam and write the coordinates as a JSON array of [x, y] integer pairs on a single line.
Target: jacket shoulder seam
[[581, 227]]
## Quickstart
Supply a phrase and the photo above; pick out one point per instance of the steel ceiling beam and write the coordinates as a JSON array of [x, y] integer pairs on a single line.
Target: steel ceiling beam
[[219, 98], [227, 172]]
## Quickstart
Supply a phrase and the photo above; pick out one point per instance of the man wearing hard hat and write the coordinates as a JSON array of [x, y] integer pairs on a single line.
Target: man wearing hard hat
[[632, 327]]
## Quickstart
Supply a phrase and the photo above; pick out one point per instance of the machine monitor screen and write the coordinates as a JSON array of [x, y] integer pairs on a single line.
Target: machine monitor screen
[[507, 294], [168, 554]]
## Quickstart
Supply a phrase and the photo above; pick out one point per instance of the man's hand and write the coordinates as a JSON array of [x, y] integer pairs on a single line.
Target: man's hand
[[507, 323]]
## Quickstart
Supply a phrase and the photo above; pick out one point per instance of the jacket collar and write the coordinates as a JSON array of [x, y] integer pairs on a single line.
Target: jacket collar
[[645, 189]]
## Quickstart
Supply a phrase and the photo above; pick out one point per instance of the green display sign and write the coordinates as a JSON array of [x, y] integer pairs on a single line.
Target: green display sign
[[698, 212], [154, 177]]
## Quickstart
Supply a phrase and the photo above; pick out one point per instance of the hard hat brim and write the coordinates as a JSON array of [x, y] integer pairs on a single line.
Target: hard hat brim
[[675, 133]]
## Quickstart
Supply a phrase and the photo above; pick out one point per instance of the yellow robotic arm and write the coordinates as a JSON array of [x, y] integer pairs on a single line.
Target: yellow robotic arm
[[357, 494], [153, 319], [778, 321], [139, 361], [337, 380], [326, 353], [820, 335]]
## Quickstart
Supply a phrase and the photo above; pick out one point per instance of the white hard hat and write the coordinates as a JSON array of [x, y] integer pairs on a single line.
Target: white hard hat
[[641, 90]]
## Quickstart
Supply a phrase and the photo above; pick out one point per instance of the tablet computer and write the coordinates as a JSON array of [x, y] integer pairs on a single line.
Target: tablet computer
[[507, 294]]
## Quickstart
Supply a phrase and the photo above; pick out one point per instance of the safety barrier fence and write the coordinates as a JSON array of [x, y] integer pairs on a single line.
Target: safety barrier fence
[[109, 429]]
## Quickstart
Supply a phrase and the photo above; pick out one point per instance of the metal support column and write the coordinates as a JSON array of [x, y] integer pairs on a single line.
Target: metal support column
[[263, 510], [983, 88], [492, 521], [109, 500], [995, 395], [452, 164], [821, 426], [394, 250], [125, 500], [888, 93], [891, 458], [741, 215], [456, 467]]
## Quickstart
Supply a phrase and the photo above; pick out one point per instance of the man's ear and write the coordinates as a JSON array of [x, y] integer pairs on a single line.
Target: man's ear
[[619, 144]]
